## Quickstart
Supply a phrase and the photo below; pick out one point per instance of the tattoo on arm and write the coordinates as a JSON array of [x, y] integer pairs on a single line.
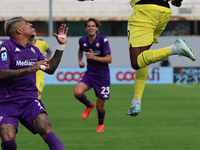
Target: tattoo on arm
[[54, 62], [6, 74]]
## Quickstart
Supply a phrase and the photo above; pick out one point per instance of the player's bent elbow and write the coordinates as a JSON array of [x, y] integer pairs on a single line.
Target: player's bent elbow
[[109, 59], [50, 72]]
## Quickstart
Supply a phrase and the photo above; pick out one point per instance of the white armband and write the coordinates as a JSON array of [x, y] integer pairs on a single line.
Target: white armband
[[61, 47]]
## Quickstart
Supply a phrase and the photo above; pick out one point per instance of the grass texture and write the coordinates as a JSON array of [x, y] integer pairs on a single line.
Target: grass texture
[[169, 120]]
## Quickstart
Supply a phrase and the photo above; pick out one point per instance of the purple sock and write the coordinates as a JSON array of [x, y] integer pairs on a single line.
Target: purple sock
[[85, 101], [101, 117], [53, 142], [9, 145]]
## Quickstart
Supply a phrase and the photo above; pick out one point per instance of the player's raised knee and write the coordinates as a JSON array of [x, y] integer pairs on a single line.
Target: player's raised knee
[[134, 65]]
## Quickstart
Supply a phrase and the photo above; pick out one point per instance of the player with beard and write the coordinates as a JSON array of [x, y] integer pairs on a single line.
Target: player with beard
[[19, 95]]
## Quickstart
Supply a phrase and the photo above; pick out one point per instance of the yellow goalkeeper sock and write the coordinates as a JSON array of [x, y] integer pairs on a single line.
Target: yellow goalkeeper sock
[[152, 56], [140, 81]]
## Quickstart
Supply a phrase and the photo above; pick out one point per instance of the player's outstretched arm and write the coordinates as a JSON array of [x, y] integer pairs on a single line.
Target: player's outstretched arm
[[6, 74], [62, 40]]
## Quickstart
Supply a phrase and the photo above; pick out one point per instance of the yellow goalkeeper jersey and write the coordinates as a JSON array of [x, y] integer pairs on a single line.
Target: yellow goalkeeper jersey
[[133, 2], [43, 47]]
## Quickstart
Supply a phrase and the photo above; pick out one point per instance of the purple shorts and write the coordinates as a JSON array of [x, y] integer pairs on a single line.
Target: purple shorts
[[24, 111], [101, 85]]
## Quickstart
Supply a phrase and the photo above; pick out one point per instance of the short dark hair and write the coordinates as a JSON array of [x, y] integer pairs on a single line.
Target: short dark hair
[[97, 23], [9, 22]]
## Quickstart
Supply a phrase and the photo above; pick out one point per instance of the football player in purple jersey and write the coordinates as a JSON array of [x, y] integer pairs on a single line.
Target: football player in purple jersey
[[97, 51], [18, 97]]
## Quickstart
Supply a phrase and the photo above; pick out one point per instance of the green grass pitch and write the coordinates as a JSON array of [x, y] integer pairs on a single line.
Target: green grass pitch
[[169, 120]]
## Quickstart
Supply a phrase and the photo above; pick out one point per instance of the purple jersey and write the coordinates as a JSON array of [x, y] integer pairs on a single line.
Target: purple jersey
[[15, 56], [101, 48]]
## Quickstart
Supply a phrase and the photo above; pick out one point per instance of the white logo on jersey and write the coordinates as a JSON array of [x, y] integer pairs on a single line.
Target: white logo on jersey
[[1, 117], [84, 44], [97, 44], [24, 63], [32, 49], [39, 104], [4, 56], [3, 49], [105, 40], [17, 49], [96, 52]]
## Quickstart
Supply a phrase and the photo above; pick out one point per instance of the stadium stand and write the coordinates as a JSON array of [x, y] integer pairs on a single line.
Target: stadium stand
[[76, 11]]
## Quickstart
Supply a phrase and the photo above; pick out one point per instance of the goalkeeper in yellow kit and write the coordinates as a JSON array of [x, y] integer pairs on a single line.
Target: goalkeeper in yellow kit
[[145, 25], [43, 47]]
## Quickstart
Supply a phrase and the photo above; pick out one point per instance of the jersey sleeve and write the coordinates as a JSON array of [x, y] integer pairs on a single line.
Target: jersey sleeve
[[80, 45], [41, 56], [106, 46], [5, 57], [46, 47], [42, 45]]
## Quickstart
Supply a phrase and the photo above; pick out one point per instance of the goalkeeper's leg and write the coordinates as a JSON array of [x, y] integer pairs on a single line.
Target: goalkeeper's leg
[[140, 81], [142, 57]]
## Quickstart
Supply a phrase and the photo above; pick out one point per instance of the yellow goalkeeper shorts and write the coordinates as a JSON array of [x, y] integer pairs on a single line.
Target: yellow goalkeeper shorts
[[146, 23]]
